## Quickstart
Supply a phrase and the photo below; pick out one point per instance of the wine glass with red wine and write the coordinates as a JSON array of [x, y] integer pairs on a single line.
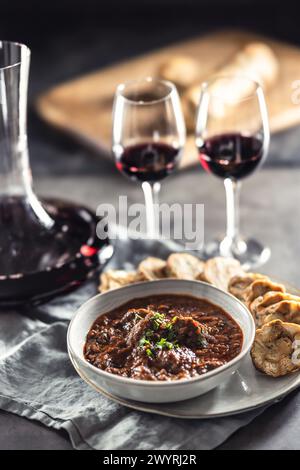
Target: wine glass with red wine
[[232, 137], [148, 137]]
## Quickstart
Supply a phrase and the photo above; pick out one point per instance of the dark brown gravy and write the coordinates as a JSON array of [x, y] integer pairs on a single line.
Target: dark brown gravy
[[163, 337]]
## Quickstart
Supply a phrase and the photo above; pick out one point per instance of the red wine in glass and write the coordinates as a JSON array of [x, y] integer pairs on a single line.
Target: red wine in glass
[[148, 161], [231, 155]]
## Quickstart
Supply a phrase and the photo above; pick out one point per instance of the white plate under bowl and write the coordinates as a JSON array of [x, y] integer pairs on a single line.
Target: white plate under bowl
[[156, 391], [245, 390]]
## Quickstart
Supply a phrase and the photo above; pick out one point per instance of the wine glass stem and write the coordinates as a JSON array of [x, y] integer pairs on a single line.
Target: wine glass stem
[[156, 190], [151, 192], [232, 189]]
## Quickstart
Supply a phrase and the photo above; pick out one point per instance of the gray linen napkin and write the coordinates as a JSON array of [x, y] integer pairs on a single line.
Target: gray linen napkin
[[37, 380]]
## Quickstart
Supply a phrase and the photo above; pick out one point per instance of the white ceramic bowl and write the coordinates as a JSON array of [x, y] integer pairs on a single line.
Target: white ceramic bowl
[[143, 390]]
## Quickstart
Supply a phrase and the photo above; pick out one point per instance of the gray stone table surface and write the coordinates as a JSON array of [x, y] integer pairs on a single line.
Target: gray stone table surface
[[269, 211]]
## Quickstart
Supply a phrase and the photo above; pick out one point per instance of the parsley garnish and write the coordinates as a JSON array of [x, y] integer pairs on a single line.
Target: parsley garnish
[[157, 320], [144, 342], [164, 344], [162, 334]]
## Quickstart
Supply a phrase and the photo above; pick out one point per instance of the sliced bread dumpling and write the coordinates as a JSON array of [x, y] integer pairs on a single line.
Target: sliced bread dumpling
[[238, 284], [184, 266], [275, 305], [115, 278], [259, 287], [286, 310], [152, 268], [262, 303], [276, 348], [218, 271]]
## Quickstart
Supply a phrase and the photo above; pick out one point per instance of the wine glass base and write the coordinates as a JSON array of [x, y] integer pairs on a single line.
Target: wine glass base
[[249, 252]]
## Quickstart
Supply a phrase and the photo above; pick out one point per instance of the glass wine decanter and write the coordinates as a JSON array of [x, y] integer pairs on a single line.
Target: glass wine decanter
[[45, 247]]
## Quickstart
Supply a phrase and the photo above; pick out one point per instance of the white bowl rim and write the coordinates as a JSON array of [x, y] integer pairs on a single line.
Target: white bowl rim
[[167, 383]]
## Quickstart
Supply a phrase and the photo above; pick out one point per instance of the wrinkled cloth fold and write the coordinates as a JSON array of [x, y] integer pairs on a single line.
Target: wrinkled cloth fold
[[38, 381]]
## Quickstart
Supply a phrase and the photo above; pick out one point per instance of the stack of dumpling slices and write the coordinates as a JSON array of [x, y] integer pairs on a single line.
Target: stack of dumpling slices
[[217, 271], [276, 348]]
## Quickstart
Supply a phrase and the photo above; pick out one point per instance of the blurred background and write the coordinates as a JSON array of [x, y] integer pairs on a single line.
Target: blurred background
[[72, 37]]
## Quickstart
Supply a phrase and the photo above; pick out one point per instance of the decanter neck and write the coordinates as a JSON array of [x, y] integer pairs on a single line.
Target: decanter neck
[[15, 175]]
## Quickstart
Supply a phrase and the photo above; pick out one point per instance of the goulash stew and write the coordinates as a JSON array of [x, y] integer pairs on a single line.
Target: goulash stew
[[163, 337]]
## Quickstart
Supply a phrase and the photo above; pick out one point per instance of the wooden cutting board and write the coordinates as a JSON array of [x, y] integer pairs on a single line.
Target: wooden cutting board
[[82, 107]]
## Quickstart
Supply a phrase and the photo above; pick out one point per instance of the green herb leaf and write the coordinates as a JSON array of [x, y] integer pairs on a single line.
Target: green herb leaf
[[144, 342], [159, 316], [157, 320], [164, 344]]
